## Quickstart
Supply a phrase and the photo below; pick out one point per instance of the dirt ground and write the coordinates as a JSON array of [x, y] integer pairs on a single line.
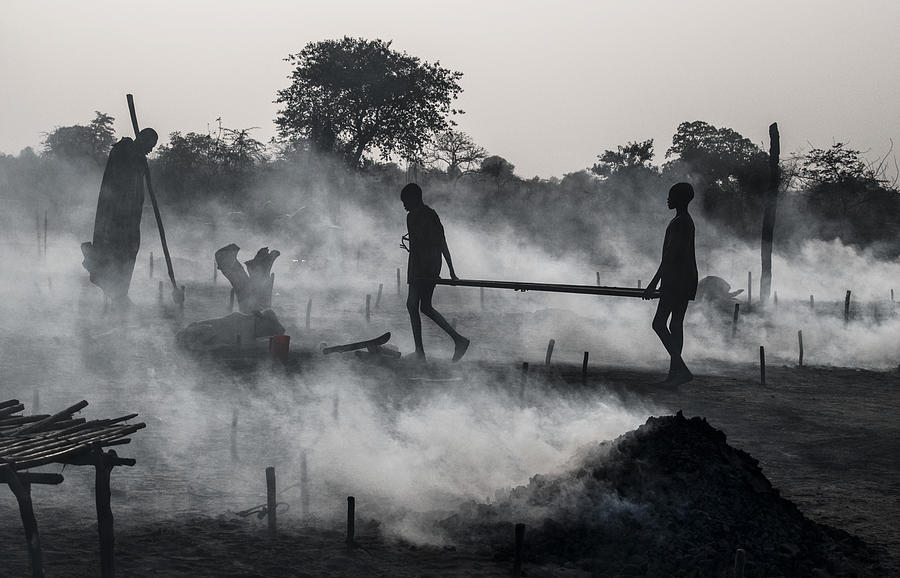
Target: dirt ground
[[827, 437]]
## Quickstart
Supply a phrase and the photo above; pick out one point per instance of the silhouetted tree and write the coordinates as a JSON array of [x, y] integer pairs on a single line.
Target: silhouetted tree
[[498, 169], [840, 184], [454, 150], [353, 96], [729, 172], [79, 143], [629, 158]]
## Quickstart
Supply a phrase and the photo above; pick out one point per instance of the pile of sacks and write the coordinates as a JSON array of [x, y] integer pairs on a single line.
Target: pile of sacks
[[671, 498]]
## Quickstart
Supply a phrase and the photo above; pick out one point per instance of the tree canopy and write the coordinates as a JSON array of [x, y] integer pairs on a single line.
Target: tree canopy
[[353, 96], [79, 142]]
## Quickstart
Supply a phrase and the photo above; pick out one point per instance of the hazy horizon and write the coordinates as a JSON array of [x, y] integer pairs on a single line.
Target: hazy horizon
[[547, 88]]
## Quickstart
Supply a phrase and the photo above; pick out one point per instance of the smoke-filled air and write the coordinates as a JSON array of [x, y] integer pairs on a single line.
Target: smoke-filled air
[[680, 360]]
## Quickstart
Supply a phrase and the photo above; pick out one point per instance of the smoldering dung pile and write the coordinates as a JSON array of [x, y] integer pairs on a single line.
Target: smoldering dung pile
[[671, 498]]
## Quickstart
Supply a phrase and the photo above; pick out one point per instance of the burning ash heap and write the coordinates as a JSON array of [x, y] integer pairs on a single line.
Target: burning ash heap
[[668, 499]]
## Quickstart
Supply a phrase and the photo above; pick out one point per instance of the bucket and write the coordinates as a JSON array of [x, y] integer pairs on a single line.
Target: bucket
[[279, 346]]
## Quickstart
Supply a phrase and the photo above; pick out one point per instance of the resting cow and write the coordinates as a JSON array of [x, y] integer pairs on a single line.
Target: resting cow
[[235, 329]]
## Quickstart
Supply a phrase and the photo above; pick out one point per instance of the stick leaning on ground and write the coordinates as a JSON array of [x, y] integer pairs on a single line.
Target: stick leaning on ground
[[177, 293]]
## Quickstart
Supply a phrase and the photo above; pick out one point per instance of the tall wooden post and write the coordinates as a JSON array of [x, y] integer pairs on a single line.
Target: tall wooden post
[[800, 343], [770, 205], [734, 319]]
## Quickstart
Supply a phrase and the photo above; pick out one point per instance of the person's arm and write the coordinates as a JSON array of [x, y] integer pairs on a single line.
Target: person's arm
[[445, 251], [651, 286]]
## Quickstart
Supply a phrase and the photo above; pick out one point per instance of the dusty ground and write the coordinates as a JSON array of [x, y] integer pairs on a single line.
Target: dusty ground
[[827, 437]]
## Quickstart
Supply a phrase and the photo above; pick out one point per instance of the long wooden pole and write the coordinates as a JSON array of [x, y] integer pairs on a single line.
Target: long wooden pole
[[549, 287], [177, 294]]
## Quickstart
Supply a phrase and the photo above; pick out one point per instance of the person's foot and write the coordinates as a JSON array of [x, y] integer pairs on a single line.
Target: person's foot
[[462, 345], [415, 356], [681, 376]]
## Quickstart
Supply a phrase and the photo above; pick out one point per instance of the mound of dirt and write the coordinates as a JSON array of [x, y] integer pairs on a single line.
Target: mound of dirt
[[671, 498]]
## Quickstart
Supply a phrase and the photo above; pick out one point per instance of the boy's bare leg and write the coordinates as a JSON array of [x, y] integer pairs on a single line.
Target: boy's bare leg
[[412, 306], [461, 344], [672, 337]]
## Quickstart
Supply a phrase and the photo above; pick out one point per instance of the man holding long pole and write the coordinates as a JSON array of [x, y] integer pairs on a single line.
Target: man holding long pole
[[110, 257]]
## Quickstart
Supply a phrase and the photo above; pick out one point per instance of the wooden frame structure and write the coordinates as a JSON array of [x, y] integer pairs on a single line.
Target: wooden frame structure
[[37, 440]]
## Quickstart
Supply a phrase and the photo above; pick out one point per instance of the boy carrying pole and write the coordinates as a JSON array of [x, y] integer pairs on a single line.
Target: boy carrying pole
[[427, 245], [677, 274]]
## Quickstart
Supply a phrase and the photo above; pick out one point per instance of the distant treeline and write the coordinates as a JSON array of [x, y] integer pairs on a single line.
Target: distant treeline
[[341, 142]]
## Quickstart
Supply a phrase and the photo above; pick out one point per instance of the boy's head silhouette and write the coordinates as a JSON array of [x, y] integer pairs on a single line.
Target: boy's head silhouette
[[411, 195], [680, 195]]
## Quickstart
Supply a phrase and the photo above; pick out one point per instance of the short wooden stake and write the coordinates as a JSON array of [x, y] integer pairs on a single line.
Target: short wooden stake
[[598, 278], [812, 303], [231, 300], [271, 505], [584, 364], [215, 273], [45, 234], [762, 365], [739, 559], [549, 352], [800, 343], [639, 283], [36, 402], [351, 520], [357, 259], [775, 299], [378, 297], [304, 486], [151, 264], [160, 295], [234, 425], [308, 311], [368, 307], [520, 540], [734, 320], [892, 295], [524, 381], [749, 289], [335, 411], [398, 281], [847, 308]]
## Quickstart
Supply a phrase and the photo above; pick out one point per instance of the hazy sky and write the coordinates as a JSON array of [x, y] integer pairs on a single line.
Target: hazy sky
[[547, 85]]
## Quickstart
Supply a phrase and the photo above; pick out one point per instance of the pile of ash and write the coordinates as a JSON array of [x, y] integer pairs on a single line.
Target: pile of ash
[[671, 498]]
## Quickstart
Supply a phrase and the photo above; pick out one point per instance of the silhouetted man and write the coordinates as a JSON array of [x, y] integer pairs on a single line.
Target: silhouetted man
[[427, 245], [117, 225], [678, 274]]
